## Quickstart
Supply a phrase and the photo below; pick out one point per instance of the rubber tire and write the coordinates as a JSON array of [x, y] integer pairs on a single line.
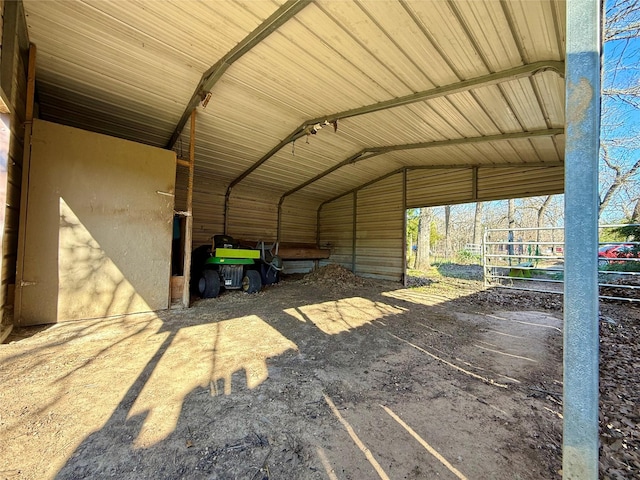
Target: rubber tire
[[209, 284], [198, 257], [251, 283]]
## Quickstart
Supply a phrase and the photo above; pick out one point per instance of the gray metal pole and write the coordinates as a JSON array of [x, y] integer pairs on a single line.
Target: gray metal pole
[[580, 399]]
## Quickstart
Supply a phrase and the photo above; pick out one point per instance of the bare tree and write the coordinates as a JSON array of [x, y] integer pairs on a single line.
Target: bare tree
[[477, 224], [424, 240], [447, 231], [620, 132]]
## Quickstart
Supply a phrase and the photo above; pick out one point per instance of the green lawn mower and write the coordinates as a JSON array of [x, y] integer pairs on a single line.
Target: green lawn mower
[[225, 265]]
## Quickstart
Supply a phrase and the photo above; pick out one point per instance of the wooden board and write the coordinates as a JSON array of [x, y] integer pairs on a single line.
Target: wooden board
[[98, 227]]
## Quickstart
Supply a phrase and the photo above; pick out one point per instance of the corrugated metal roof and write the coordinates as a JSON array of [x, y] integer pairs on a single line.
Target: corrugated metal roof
[[129, 69]]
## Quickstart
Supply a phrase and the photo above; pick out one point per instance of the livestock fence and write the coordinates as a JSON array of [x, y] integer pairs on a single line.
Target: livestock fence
[[532, 259]]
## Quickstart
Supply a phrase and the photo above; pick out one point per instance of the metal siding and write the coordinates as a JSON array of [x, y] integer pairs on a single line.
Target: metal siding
[[525, 103], [208, 205], [117, 51], [438, 187], [304, 159], [299, 221], [297, 266], [379, 235], [499, 183], [127, 69], [336, 230], [488, 25], [535, 26], [551, 88], [253, 215]]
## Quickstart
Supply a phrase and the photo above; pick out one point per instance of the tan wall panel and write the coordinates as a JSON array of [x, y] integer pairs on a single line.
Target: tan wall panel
[[253, 215], [379, 230], [500, 183], [208, 204], [444, 187], [98, 227], [336, 230], [299, 219], [438, 187]]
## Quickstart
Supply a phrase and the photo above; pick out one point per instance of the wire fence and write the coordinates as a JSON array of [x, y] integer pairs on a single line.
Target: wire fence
[[532, 259]]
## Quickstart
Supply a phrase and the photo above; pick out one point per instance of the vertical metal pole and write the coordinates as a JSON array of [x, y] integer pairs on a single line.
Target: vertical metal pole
[[580, 399], [354, 232], [484, 258], [404, 228], [26, 171], [279, 227], [318, 213]]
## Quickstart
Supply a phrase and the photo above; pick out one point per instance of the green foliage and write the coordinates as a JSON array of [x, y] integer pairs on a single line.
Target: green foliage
[[434, 235], [628, 233], [466, 257], [615, 234], [413, 220], [621, 267]]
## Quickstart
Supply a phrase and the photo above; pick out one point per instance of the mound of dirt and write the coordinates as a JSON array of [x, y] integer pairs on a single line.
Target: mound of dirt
[[333, 275]]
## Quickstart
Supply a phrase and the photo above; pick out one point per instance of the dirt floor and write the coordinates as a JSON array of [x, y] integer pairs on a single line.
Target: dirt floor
[[326, 376]]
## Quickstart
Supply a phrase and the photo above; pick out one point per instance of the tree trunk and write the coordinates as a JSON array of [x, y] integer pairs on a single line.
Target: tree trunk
[[512, 222], [447, 237], [477, 224], [541, 211], [424, 239], [635, 216]]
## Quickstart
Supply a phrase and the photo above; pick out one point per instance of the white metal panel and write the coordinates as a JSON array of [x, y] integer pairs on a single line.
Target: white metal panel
[[523, 100], [551, 88], [450, 37], [537, 26], [304, 159], [488, 25]]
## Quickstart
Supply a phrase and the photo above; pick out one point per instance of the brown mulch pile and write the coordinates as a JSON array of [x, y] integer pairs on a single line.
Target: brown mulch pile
[[334, 275], [620, 398]]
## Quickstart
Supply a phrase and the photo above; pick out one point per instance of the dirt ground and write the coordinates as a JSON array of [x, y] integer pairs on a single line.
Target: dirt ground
[[327, 376]]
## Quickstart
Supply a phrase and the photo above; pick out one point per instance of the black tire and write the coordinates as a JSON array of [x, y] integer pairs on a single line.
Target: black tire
[[198, 257], [209, 284], [251, 283]]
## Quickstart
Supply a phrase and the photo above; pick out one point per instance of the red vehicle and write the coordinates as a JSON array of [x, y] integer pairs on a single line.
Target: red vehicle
[[623, 250]]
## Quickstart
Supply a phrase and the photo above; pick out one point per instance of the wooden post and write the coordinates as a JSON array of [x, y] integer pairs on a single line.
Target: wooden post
[[24, 192], [188, 229]]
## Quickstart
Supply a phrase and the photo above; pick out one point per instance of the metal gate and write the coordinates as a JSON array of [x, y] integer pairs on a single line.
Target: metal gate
[[532, 259]]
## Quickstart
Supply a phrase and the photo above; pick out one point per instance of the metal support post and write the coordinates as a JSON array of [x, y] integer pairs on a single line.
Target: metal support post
[[580, 399]]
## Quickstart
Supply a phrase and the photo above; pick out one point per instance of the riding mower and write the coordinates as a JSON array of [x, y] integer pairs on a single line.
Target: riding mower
[[225, 265]]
